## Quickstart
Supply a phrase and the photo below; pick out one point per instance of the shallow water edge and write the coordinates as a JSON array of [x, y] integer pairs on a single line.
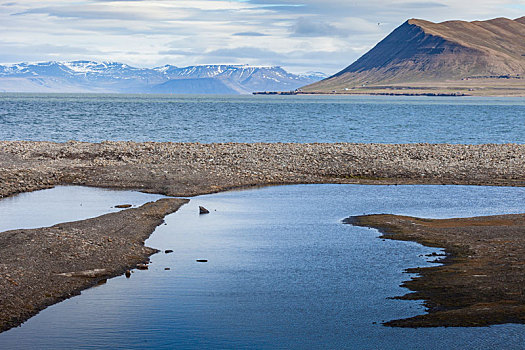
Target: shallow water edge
[[69, 257]]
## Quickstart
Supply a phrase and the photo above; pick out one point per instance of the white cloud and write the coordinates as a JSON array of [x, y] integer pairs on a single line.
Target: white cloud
[[300, 34]]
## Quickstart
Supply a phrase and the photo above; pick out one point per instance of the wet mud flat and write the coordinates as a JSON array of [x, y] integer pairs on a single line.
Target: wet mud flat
[[40, 267], [481, 280]]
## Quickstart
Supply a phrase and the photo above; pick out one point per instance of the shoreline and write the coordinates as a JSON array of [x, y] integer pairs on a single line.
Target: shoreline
[[480, 282], [69, 257], [190, 169]]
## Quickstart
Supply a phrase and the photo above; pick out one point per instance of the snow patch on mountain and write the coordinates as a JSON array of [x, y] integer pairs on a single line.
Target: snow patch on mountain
[[83, 75]]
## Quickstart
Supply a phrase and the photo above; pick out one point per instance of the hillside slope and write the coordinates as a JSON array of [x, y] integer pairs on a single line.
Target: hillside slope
[[422, 54]]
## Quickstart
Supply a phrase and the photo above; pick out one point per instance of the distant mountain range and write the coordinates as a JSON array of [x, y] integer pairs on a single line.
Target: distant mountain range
[[89, 76], [472, 57]]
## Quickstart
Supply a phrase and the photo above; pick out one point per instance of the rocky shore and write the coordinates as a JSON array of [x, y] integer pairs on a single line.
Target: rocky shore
[[187, 169], [482, 279], [41, 267]]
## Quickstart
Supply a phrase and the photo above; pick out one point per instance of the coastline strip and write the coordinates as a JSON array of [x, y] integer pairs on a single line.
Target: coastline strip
[[190, 169]]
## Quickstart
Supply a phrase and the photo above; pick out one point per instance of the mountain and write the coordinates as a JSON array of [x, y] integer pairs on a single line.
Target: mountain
[[196, 86], [239, 78], [457, 55], [89, 76]]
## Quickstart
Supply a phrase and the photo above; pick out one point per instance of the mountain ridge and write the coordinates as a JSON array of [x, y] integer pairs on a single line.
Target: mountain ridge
[[115, 77]]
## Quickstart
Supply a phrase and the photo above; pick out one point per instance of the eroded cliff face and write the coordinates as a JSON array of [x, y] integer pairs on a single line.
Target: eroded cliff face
[[424, 51]]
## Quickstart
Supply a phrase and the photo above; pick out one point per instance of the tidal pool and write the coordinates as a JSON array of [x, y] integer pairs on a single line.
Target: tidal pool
[[282, 272]]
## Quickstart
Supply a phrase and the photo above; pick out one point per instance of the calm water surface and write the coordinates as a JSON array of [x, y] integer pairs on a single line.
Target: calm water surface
[[283, 272], [176, 118]]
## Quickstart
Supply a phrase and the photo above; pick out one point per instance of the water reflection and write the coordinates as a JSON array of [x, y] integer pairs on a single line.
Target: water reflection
[[283, 272]]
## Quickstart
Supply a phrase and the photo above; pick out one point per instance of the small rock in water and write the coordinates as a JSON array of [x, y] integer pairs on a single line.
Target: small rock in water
[[167, 251], [203, 210], [167, 268], [202, 260], [142, 266], [123, 206], [128, 273]]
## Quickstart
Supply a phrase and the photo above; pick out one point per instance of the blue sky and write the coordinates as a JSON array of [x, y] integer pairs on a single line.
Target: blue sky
[[300, 35]]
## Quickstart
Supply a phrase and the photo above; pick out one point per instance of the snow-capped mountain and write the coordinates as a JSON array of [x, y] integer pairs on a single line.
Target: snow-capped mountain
[[89, 76]]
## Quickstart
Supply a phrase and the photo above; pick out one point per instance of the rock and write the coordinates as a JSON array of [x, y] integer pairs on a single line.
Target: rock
[[128, 273], [203, 210], [167, 269], [87, 273], [168, 251], [123, 206], [102, 281], [142, 266], [202, 260]]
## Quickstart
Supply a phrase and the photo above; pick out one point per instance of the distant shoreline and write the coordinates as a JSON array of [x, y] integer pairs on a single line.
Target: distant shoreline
[[361, 93]]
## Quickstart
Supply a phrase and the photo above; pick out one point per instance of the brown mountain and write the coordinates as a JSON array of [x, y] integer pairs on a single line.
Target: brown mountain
[[479, 57]]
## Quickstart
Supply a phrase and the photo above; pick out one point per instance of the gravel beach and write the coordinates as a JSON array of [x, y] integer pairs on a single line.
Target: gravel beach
[[188, 169], [75, 256]]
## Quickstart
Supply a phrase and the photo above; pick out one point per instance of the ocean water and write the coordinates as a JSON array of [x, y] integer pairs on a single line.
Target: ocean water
[[283, 273], [176, 118]]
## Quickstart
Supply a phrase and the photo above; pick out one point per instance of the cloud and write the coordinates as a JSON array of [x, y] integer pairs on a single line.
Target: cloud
[[179, 53], [310, 27], [424, 5], [305, 35], [98, 13], [249, 34], [244, 52], [14, 53]]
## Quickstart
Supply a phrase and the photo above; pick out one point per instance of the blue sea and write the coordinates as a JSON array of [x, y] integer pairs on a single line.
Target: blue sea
[[207, 119], [283, 272]]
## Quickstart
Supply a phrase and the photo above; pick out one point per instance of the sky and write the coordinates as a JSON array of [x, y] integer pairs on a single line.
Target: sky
[[299, 35]]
